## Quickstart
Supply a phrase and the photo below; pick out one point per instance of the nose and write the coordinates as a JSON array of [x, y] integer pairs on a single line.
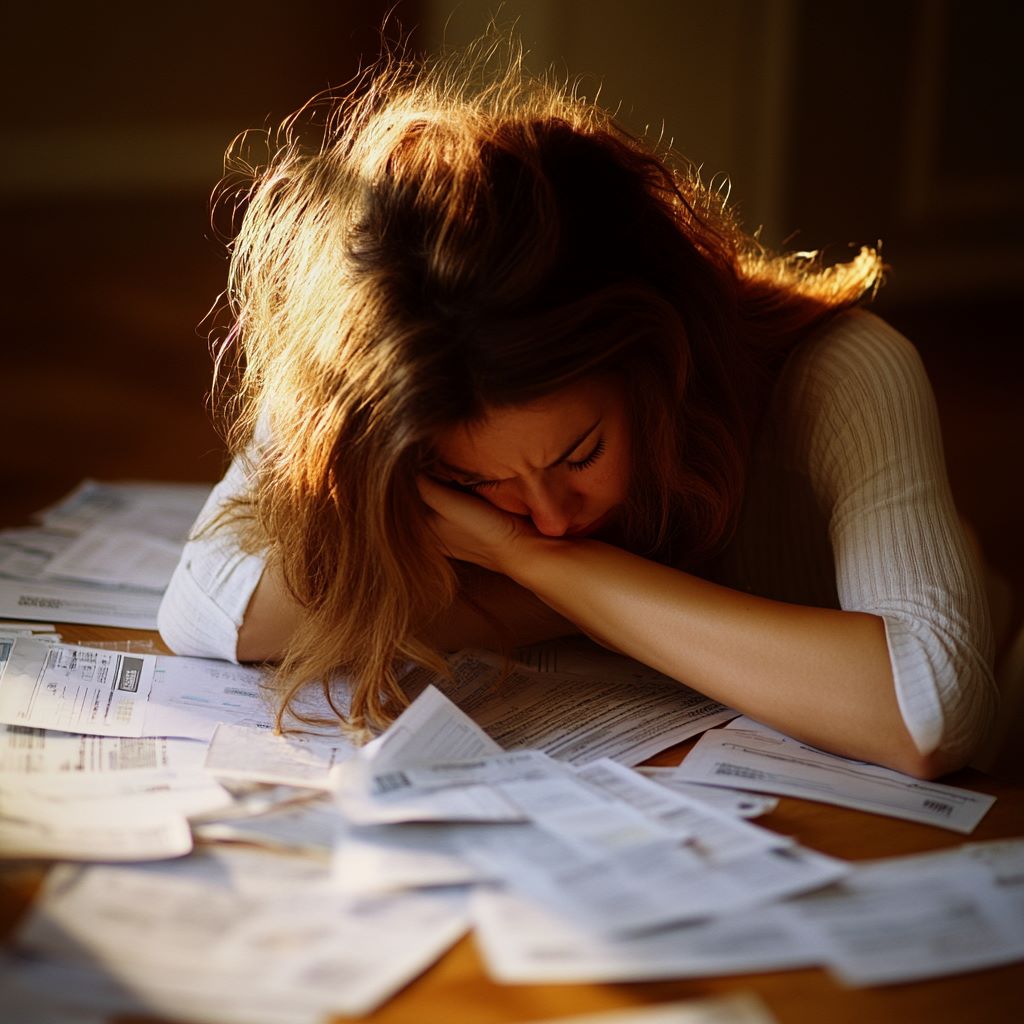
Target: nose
[[553, 510]]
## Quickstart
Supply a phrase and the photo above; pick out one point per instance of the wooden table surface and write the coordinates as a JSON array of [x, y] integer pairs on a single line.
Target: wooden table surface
[[456, 990]]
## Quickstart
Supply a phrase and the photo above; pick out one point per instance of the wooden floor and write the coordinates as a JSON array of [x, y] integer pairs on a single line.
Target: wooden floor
[[106, 366]]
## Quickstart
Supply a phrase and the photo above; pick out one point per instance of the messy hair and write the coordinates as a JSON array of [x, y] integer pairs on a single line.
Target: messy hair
[[453, 237]]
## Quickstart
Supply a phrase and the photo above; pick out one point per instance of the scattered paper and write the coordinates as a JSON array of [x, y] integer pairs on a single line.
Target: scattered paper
[[716, 835], [571, 717], [732, 801], [79, 603], [294, 759], [165, 510], [195, 948], [773, 763], [309, 826], [94, 830], [116, 557], [374, 859], [523, 943], [75, 689], [911, 918], [72, 688], [27, 750]]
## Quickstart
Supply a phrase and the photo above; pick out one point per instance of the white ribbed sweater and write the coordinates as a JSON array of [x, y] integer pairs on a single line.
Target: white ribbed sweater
[[847, 506]]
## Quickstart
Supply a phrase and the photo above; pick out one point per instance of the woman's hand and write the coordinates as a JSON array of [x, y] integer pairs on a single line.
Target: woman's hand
[[473, 530]]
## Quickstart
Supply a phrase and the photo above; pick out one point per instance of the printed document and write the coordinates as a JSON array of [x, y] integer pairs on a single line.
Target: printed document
[[769, 762], [159, 509], [523, 942], [26, 750], [911, 918], [116, 557], [75, 689], [293, 759], [571, 717], [732, 801], [112, 693], [81, 603], [103, 830], [190, 947]]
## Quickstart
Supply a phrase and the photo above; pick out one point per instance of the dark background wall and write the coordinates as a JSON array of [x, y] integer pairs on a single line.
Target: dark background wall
[[837, 123]]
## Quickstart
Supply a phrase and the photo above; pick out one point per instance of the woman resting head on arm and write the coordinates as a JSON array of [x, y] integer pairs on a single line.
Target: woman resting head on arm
[[513, 370]]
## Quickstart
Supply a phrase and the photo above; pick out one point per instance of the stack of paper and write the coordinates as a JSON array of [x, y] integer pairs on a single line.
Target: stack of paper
[[101, 556]]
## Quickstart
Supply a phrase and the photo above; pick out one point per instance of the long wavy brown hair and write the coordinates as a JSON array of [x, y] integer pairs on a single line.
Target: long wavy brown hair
[[445, 240]]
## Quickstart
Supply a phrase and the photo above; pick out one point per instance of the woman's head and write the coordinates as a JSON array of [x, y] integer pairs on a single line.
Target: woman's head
[[450, 267]]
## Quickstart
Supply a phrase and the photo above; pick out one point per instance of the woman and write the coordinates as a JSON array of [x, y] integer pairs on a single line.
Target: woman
[[505, 375]]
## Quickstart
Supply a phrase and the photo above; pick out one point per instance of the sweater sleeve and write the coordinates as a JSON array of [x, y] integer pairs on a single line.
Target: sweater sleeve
[[875, 459], [206, 600]]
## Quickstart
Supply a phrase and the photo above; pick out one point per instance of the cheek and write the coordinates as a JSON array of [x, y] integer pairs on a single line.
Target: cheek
[[614, 482]]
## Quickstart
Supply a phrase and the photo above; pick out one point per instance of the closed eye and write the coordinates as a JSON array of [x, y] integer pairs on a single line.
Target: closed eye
[[585, 463]]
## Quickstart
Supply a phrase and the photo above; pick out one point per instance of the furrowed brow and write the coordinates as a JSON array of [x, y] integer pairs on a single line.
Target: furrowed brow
[[478, 478]]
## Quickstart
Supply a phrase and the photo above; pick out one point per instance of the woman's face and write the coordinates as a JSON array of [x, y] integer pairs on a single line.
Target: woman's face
[[563, 460]]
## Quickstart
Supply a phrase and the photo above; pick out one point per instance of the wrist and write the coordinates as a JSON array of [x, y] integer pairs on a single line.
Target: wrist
[[534, 559]]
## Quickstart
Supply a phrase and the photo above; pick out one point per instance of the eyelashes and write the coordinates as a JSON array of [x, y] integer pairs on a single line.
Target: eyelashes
[[587, 462], [576, 467]]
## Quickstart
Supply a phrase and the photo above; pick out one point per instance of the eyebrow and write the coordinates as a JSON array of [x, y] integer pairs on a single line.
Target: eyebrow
[[478, 478]]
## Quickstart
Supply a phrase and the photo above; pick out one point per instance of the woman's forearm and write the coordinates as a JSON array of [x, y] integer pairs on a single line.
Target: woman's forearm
[[821, 675], [495, 614]]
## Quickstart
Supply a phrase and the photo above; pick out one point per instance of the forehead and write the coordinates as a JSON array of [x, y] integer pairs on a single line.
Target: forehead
[[535, 433]]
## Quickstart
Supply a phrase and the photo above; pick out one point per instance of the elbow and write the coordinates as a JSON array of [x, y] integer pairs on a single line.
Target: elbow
[[929, 767]]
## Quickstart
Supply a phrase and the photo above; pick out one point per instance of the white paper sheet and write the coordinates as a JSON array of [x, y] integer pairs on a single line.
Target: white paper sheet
[[495, 768], [80, 689], [911, 918], [773, 763], [573, 718], [293, 759], [642, 886], [191, 696], [75, 689], [188, 791], [116, 557], [458, 804], [714, 834], [194, 948], [523, 943], [431, 730], [94, 830], [307, 826], [381, 859], [80, 603], [1004, 860], [732, 801], [26, 750], [159, 509]]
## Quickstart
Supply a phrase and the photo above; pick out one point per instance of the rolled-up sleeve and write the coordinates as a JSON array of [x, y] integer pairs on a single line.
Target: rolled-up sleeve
[[208, 595]]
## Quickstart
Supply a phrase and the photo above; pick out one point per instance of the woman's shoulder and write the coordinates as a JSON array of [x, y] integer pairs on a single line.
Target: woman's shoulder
[[856, 358]]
